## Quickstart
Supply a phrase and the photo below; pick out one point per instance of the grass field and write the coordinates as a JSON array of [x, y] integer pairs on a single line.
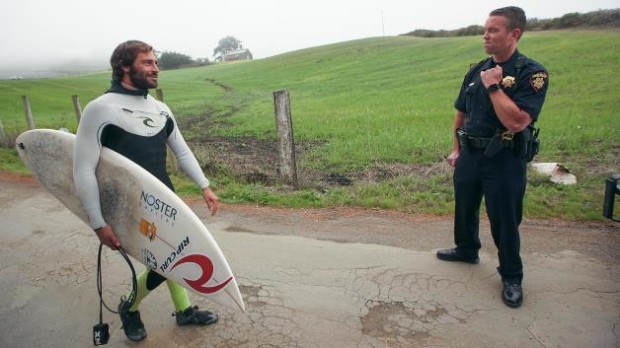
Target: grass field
[[372, 119]]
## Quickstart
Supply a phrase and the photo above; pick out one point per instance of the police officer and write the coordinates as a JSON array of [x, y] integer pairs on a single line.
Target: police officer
[[500, 97]]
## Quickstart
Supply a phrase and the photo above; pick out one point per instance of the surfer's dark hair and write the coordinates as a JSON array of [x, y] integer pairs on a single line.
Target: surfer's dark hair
[[515, 16], [125, 54]]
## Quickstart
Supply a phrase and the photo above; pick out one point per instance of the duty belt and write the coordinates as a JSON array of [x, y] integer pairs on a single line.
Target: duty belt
[[482, 143]]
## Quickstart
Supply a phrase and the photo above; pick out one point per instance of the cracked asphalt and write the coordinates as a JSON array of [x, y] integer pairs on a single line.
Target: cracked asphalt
[[314, 278]]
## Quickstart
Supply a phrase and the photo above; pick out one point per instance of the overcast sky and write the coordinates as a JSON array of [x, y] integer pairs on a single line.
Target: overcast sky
[[40, 32]]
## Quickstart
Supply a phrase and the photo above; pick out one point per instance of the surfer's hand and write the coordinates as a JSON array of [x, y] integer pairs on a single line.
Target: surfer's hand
[[211, 199], [108, 238]]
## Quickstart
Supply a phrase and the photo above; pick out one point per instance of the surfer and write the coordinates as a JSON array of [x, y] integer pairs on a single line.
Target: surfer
[[129, 121]]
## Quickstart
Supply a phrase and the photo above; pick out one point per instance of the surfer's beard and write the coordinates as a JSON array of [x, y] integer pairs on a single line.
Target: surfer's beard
[[140, 80]]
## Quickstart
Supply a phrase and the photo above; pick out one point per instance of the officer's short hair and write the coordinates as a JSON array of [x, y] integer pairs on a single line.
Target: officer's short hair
[[515, 16], [125, 54]]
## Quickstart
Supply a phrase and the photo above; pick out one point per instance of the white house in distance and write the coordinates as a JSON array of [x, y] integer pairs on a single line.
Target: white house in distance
[[240, 54]]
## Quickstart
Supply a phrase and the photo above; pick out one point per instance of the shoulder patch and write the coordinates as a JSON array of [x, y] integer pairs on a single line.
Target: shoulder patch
[[538, 80]]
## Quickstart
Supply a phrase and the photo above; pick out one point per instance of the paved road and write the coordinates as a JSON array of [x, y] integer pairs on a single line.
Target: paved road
[[315, 278]]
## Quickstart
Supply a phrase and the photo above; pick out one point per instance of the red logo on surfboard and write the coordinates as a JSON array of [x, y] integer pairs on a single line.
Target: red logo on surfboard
[[206, 266]]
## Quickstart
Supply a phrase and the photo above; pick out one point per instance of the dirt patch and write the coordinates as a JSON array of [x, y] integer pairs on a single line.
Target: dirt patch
[[396, 321], [246, 159], [252, 160], [18, 178]]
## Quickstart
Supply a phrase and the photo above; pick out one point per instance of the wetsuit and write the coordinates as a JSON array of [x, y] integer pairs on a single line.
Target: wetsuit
[[139, 127]]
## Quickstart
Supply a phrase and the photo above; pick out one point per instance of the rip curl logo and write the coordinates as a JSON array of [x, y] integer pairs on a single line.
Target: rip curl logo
[[173, 255], [147, 121], [164, 114], [206, 267]]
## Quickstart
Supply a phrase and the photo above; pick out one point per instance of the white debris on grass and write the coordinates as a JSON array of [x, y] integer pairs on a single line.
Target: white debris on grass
[[556, 172]]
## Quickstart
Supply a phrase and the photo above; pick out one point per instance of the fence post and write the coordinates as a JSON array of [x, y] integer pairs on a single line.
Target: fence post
[[28, 112], [174, 166], [3, 140], [284, 135], [77, 107]]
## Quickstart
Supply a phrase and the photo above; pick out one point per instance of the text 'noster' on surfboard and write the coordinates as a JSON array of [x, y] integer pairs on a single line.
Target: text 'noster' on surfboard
[[159, 205]]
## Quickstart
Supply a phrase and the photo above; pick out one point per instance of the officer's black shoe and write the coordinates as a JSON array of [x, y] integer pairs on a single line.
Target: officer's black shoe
[[193, 316], [132, 324], [454, 255], [512, 294]]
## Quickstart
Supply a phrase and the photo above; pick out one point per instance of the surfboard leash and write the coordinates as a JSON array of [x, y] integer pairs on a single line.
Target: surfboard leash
[[101, 332]]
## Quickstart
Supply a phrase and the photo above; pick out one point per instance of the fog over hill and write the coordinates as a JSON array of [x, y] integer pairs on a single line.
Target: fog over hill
[[58, 67], [28, 52]]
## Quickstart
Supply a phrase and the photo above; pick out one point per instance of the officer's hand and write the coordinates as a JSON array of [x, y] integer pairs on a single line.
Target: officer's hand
[[211, 199], [108, 238], [491, 76], [453, 157]]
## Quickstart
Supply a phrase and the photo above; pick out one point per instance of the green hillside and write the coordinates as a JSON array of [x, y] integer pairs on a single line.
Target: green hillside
[[372, 120]]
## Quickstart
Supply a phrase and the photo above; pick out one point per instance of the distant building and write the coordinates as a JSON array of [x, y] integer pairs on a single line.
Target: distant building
[[240, 54]]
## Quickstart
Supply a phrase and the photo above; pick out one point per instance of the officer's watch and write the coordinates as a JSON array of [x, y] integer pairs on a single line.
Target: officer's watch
[[492, 88]]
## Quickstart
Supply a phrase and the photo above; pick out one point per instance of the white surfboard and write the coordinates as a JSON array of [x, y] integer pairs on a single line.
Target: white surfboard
[[153, 224]]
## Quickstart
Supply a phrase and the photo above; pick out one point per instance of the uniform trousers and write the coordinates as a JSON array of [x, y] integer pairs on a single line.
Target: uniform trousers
[[501, 180]]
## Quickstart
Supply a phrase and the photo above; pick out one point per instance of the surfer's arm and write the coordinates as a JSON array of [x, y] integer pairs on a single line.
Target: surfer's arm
[[186, 159], [189, 164], [85, 159]]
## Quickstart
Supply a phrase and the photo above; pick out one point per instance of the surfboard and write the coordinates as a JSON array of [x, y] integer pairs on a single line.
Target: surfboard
[[153, 224]]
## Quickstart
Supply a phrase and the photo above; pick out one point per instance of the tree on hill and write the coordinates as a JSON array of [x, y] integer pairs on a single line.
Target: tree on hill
[[173, 60], [225, 45], [601, 18]]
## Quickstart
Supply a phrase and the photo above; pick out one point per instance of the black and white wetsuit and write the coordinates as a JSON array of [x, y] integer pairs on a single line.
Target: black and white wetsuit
[[138, 127]]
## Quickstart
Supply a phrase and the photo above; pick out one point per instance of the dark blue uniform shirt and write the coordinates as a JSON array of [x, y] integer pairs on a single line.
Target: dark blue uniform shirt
[[525, 81]]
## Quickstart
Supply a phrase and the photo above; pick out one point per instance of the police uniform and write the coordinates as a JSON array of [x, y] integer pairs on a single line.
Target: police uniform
[[501, 177]]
